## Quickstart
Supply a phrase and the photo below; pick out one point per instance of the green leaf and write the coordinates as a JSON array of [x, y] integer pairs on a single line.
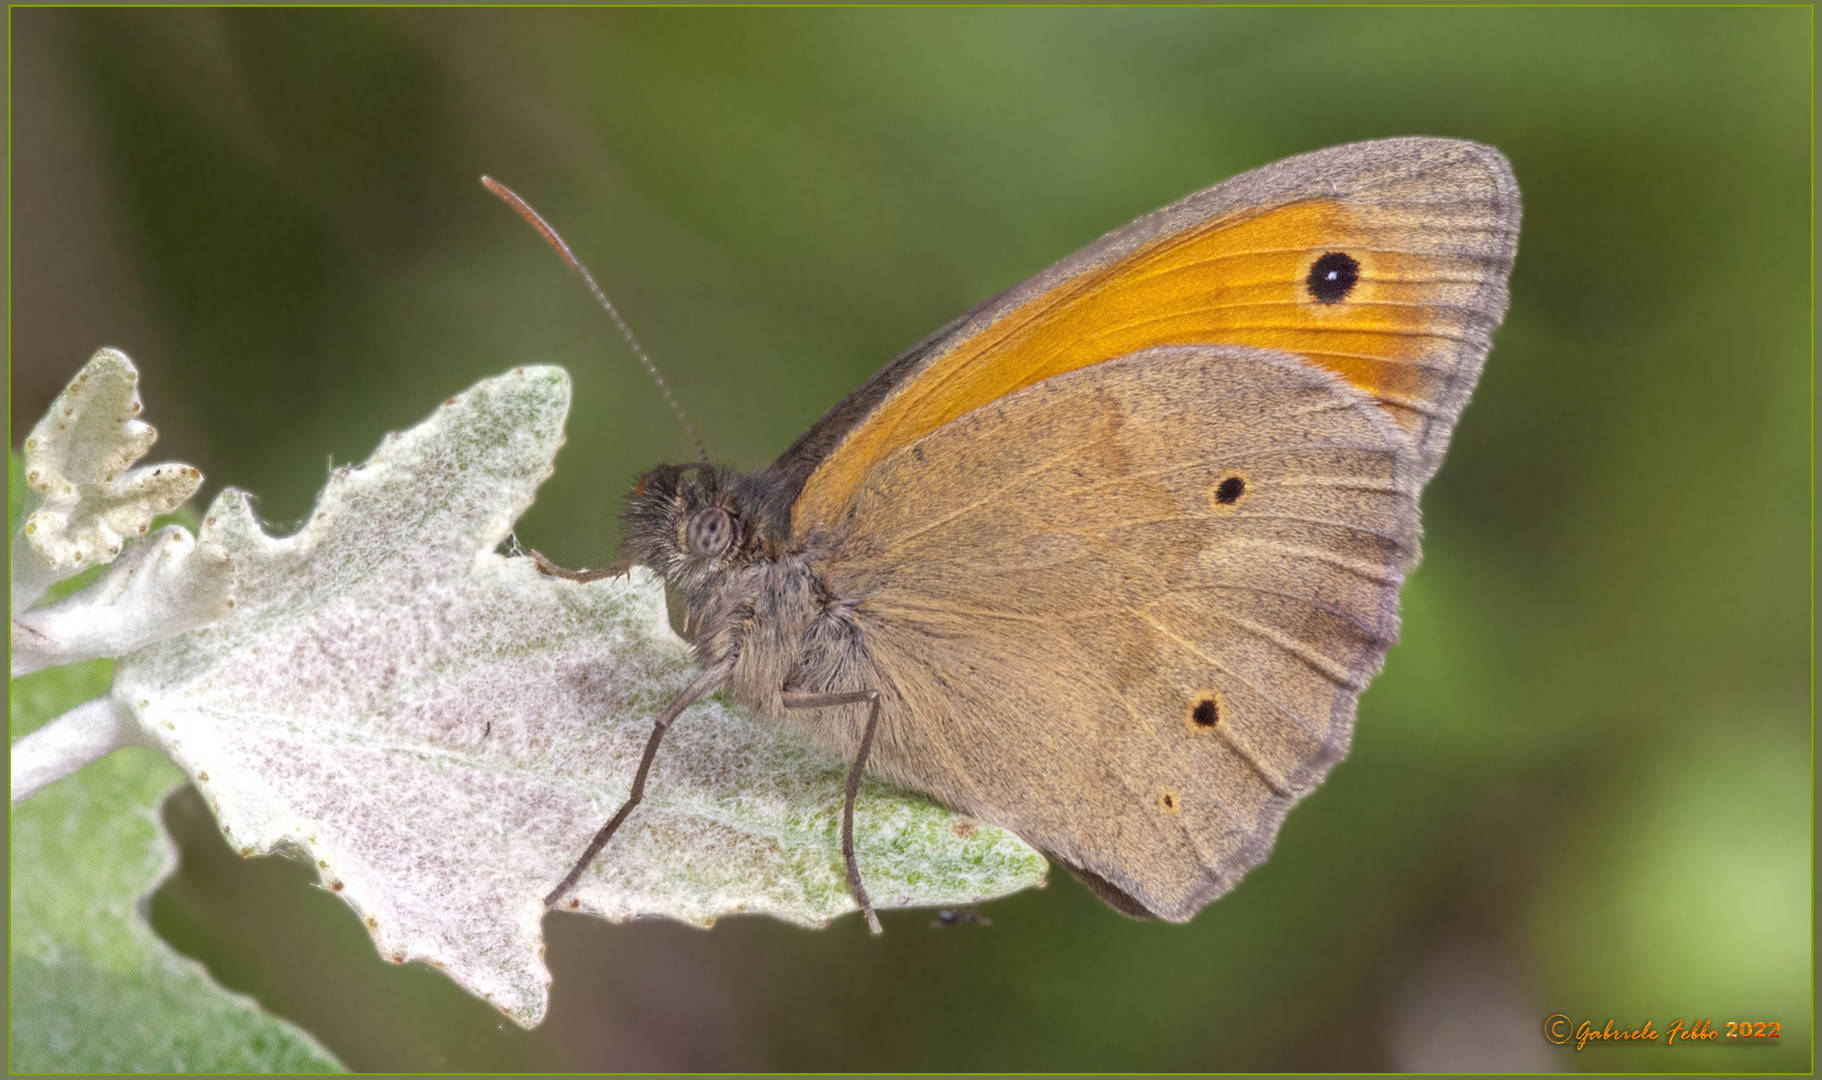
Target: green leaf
[[93, 989]]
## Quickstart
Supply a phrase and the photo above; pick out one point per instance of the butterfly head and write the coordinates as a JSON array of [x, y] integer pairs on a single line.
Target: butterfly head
[[698, 527], [692, 523], [685, 523]]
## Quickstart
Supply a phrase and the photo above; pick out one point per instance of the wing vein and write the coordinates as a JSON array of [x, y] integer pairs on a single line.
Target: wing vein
[[1323, 665]]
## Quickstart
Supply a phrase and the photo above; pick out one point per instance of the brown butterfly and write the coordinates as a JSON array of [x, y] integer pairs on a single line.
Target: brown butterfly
[[1109, 560]]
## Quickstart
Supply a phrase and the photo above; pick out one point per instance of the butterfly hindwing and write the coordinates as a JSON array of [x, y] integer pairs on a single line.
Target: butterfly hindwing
[[1126, 611]]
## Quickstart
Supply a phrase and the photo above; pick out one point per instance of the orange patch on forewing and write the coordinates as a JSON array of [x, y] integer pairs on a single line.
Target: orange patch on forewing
[[1225, 282]]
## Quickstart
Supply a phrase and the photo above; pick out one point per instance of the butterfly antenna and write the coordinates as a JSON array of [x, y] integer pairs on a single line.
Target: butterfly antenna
[[511, 198]]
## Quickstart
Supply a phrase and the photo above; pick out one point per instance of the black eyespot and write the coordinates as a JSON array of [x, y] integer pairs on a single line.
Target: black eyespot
[[1333, 277], [711, 531], [1228, 491], [1206, 713]]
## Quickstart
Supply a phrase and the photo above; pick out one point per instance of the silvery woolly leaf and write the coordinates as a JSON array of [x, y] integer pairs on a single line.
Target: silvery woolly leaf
[[442, 729], [77, 464], [159, 589]]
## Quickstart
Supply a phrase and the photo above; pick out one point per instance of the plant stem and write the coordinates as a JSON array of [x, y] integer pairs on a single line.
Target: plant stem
[[87, 733]]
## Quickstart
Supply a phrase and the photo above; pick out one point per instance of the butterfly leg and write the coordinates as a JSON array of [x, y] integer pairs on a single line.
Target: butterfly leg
[[567, 574], [794, 699], [704, 685]]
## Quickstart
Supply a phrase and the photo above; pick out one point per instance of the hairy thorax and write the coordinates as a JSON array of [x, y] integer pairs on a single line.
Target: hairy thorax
[[754, 617]]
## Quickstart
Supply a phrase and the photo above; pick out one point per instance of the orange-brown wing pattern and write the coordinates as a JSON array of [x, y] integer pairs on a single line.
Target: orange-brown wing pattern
[[1382, 262]]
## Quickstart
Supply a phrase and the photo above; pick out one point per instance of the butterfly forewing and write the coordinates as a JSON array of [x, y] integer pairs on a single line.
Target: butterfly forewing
[[1383, 262]]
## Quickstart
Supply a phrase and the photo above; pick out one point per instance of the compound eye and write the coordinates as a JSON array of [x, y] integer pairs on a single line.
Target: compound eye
[[711, 531]]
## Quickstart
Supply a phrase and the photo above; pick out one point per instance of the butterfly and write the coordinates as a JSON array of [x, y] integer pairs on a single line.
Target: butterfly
[[1109, 560]]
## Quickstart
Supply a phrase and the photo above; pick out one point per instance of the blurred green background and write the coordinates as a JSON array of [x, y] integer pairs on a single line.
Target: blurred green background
[[1583, 783]]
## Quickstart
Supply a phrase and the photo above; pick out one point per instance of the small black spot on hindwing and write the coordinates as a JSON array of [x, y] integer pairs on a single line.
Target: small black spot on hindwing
[[1229, 490], [1333, 277], [1204, 711]]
